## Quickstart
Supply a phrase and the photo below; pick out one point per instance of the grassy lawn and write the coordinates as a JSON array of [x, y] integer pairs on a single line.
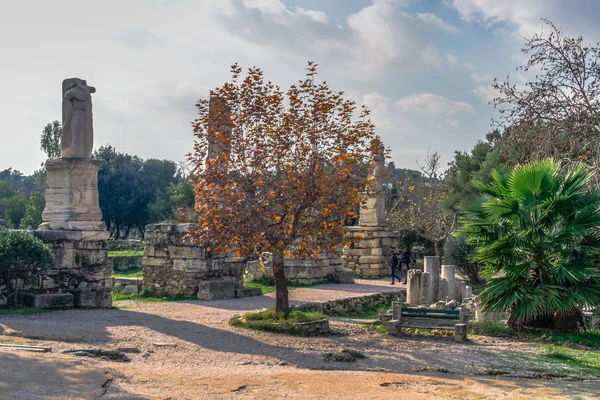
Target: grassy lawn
[[128, 273], [125, 253], [267, 320], [589, 338], [150, 298]]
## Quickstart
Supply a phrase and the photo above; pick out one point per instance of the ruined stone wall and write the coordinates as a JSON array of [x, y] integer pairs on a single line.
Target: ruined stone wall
[[355, 304], [172, 265], [371, 247], [80, 269]]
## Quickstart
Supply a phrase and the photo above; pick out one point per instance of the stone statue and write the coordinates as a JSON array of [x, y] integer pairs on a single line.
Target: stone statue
[[372, 212], [377, 166], [78, 132]]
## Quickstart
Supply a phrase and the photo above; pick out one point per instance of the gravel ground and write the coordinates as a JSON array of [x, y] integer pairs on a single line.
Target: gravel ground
[[194, 337]]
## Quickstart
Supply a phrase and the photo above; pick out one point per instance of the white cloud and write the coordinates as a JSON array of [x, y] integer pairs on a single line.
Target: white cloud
[[452, 59], [481, 77], [453, 122], [317, 16], [437, 22], [379, 106], [433, 104], [266, 6], [485, 92]]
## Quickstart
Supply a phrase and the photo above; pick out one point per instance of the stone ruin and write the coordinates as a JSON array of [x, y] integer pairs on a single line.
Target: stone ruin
[[72, 221], [317, 269], [172, 265], [372, 240], [435, 286]]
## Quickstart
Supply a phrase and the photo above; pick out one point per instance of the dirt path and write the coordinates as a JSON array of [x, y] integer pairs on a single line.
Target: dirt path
[[188, 350]]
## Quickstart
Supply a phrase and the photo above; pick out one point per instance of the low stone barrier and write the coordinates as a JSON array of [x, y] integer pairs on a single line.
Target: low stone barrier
[[121, 263], [354, 304], [128, 285]]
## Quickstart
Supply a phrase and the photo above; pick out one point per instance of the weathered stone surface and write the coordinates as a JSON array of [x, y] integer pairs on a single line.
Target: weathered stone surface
[[72, 195], [247, 292], [49, 300], [216, 290], [127, 285], [432, 265], [186, 252], [120, 263], [343, 277], [77, 138], [460, 332], [93, 297], [413, 291], [448, 273]]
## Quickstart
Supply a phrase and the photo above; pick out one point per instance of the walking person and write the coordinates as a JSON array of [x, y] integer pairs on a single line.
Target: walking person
[[393, 261], [405, 259]]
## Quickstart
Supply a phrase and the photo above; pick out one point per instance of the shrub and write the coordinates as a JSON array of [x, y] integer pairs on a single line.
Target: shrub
[[21, 253], [458, 252], [268, 320], [537, 232]]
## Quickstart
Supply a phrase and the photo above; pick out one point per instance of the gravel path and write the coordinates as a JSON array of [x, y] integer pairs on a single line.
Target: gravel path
[[195, 336]]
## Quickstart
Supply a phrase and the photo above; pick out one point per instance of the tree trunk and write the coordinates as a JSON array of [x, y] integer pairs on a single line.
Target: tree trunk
[[569, 321], [438, 250], [282, 304], [126, 235]]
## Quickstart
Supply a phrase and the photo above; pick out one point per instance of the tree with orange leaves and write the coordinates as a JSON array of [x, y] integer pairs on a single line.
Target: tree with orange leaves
[[278, 171]]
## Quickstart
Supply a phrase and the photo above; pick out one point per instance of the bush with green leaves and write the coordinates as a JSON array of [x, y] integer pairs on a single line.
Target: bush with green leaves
[[536, 229], [459, 253], [21, 253]]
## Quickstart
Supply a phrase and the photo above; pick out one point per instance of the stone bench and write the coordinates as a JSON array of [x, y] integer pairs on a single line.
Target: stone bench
[[429, 318]]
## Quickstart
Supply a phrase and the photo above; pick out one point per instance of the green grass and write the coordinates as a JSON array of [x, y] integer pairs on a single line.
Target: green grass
[[267, 320], [268, 285], [125, 253], [150, 298], [589, 338], [583, 360], [128, 273], [23, 311]]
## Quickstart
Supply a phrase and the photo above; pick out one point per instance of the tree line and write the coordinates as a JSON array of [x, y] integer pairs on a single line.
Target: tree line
[[132, 192]]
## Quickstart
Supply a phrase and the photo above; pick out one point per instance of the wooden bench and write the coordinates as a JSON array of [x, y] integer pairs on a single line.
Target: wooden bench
[[429, 318]]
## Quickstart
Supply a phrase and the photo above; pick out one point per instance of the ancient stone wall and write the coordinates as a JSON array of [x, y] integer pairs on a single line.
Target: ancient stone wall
[[355, 304], [172, 265], [316, 269], [370, 249], [80, 269]]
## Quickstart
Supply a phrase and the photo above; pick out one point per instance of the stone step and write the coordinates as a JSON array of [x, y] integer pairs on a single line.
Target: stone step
[[49, 300], [247, 292]]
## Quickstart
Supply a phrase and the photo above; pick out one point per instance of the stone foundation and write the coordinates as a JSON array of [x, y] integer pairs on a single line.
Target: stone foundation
[[371, 247], [172, 265], [80, 267]]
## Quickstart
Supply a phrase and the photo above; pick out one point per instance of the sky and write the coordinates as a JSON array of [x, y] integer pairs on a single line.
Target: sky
[[423, 67]]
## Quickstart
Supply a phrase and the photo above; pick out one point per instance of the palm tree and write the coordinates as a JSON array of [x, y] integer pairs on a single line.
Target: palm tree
[[538, 237]]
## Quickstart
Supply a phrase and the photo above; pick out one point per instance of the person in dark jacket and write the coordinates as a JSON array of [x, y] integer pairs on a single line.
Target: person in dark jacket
[[393, 261]]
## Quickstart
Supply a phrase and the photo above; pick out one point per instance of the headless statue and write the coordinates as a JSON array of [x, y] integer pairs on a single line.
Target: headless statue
[[77, 139]]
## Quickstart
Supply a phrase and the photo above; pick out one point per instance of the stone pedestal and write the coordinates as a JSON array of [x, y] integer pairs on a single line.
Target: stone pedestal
[[80, 266], [72, 195], [368, 254]]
